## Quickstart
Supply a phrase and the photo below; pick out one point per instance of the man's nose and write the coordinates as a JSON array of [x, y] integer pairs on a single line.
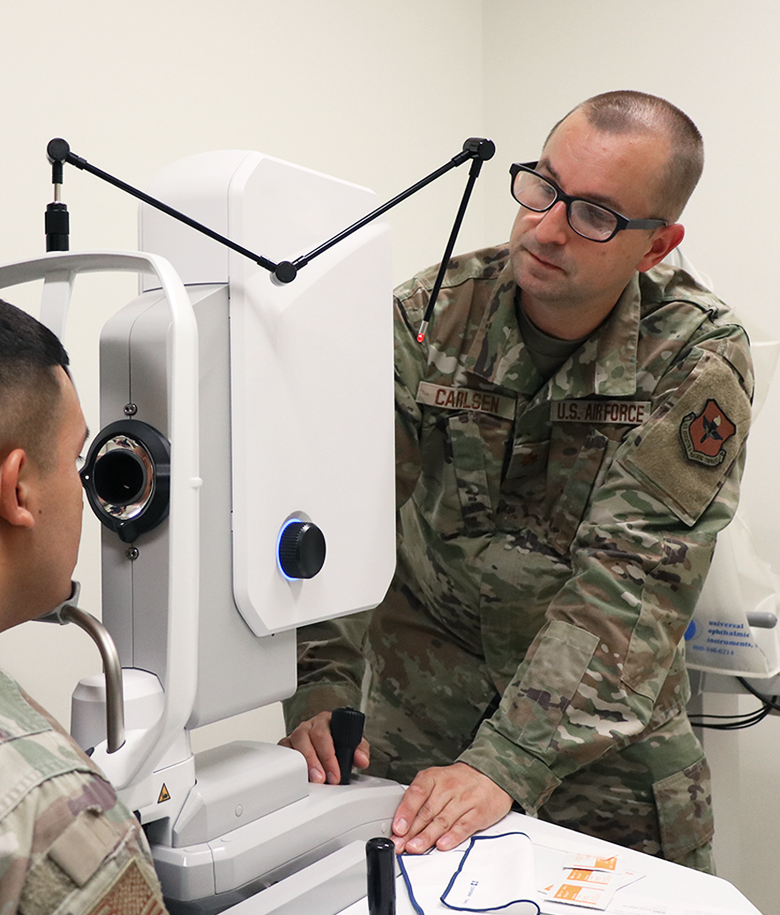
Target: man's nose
[[553, 228]]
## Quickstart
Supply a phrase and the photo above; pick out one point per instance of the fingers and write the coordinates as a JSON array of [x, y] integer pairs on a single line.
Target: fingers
[[414, 813], [429, 810], [313, 739], [444, 806], [362, 756]]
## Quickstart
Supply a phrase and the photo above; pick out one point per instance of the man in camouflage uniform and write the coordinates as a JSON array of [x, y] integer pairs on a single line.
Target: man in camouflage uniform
[[570, 440], [67, 844]]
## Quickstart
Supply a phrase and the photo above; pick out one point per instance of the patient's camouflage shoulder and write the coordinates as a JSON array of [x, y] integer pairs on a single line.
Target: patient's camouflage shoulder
[[65, 838]]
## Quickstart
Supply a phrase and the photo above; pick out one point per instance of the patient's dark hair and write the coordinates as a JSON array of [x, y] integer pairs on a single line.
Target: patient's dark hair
[[29, 390]]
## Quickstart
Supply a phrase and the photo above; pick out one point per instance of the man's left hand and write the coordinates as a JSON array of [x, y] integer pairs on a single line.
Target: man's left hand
[[444, 806]]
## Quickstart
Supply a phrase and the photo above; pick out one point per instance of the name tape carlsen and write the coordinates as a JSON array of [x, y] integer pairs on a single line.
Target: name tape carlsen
[[436, 395]]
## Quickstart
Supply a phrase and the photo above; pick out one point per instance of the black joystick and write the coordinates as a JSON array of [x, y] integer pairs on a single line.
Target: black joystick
[[380, 867], [346, 729]]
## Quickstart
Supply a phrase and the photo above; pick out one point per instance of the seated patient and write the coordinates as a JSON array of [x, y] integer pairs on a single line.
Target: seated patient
[[67, 844]]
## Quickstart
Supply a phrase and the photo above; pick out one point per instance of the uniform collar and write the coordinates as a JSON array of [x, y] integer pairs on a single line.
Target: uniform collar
[[604, 365]]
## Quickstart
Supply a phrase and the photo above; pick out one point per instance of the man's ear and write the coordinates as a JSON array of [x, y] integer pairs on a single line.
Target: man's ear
[[14, 491], [665, 241]]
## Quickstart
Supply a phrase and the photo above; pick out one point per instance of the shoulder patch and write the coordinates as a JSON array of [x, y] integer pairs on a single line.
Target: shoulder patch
[[704, 435], [687, 447], [134, 892]]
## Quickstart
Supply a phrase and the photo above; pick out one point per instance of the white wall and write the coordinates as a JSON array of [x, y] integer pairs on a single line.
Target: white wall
[[381, 92]]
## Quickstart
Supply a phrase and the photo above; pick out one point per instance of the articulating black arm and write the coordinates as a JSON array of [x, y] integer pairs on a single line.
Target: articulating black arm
[[476, 149]]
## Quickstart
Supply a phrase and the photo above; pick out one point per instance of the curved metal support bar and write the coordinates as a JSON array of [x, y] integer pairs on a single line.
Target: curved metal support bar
[[115, 705], [181, 669]]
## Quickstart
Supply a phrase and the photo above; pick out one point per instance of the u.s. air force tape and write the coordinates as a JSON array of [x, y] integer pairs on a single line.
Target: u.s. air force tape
[[621, 412], [437, 395]]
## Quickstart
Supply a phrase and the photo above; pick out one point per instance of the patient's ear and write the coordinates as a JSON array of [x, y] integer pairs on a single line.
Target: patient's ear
[[15, 491]]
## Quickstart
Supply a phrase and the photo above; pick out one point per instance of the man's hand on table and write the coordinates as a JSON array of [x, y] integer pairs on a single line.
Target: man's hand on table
[[444, 806]]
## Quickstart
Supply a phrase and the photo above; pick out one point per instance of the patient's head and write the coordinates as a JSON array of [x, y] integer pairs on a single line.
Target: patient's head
[[42, 432]]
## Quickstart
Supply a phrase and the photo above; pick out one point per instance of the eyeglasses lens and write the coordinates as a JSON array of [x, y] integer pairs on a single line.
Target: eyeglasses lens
[[533, 192], [587, 219], [591, 221]]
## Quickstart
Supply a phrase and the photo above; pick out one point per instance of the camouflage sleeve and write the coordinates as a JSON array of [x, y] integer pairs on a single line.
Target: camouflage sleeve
[[330, 668], [607, 668], [69, 845]]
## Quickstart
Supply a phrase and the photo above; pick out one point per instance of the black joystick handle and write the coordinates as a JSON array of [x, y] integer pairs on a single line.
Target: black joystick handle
[[346, 729], [380, 866]]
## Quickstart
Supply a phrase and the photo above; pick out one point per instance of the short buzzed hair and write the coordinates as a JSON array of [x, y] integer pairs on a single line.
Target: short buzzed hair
[[29, 390], [628, 111]]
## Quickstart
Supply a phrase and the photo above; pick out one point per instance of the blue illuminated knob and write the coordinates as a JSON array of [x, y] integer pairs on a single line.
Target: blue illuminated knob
[[301, 549]]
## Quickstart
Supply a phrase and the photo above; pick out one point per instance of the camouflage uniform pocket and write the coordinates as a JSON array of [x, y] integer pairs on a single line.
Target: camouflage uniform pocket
[[685, 820], [478, 447], [577, 480], [435, 494], [526, 475], [617, 799]]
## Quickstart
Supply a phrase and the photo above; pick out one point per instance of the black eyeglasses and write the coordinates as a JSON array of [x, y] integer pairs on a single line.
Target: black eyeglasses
[[590, 220]]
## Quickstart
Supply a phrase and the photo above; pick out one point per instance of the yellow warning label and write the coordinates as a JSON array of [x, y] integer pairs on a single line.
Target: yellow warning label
[[165, 795]]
